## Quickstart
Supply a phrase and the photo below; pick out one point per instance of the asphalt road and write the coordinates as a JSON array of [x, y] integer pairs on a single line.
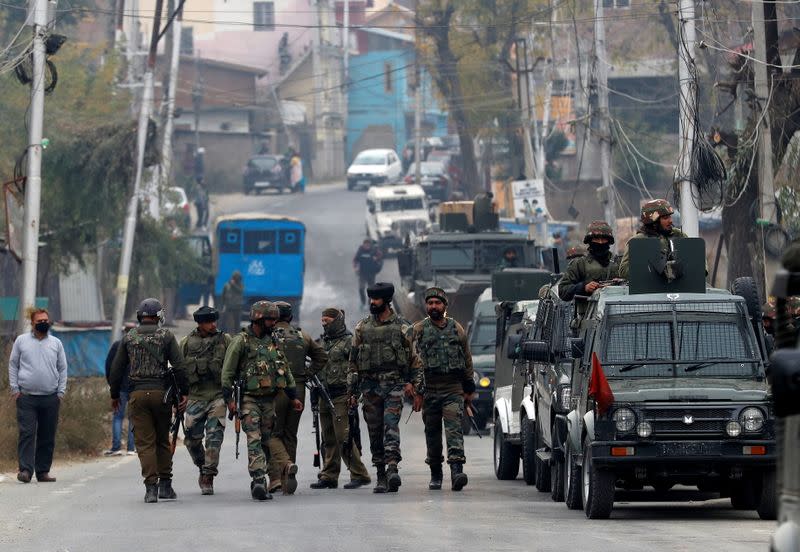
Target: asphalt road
[[98, 505]]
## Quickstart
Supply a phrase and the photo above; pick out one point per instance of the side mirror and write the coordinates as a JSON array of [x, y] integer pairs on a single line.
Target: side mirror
[[785, 368], [577, 347], [536, 351], [512, 346], [371, 209]]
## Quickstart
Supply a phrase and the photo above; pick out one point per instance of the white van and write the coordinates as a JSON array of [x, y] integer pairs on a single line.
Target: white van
[[395, 212]]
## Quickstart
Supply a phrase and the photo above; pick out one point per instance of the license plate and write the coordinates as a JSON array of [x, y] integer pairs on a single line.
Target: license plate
[[263, 184], [690, 449], [364, 182]]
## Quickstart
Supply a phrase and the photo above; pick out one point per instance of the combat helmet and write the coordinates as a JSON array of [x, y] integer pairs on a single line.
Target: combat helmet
[[436, 293], [598, 229], [263, 309], [150, 307], [285, 310], [205, 314], [655, 209]]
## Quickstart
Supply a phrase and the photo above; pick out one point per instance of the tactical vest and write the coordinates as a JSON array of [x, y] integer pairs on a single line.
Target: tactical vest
[[336, 369], [147, 354], [382, 347], [265, 366], [441, 348], [204, 358], [293, 347]]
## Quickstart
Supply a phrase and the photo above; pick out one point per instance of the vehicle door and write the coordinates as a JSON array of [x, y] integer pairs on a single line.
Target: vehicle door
[[373, 205]]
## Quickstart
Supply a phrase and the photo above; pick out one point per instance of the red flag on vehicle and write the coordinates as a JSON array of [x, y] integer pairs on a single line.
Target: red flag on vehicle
[[599, 389]]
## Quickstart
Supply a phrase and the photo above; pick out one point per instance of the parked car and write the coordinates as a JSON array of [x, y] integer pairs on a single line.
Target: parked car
[[374, 167], [393, 213], [452, 161], [265, 172], [433, 179], [175, 205]]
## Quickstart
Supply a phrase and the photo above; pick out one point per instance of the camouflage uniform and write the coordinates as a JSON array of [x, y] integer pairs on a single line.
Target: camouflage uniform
[[597, 265], [447, 362], [296, 345], [265, 372], [381, 362], [652, 211], [337, 343], [205, 412], [147, 349]]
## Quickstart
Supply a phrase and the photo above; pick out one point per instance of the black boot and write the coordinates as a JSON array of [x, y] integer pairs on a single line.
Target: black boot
[[436, 477], [258, 490], [393, 478], [165, 489], [356, 483], [151, 493], [458, 477], [324, 484], [381, 485]]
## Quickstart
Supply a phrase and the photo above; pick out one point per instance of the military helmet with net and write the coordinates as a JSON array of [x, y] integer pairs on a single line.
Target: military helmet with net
[[263, 309], [655, 209], [598, 229]]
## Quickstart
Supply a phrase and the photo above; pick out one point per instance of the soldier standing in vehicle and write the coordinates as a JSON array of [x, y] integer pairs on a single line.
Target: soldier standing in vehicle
[[232, 303], [254, 359], [509, 259], [656, 219], [584, 274], [146, 349], [297, 346], [337, 342], [449, 386], [203, 353], [383, 366]]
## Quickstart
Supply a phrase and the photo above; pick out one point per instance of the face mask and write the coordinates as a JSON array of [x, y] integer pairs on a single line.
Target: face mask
[[42, 327], [435, 314], [376, 309], [599, 249], [334, 327]]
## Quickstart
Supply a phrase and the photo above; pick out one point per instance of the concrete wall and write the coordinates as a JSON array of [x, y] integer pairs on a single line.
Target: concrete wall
[[225, 158]]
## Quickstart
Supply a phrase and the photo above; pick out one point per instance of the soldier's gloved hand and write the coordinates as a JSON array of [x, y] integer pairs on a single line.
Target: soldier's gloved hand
[[115, 405], [468, 397], [591, 287], [418, 400], [408, 389], [231, 410], [352, 401], [182, 403], [297, 405]]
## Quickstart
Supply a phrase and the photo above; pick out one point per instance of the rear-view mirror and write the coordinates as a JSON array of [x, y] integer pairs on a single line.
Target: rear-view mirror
[[536, 351]]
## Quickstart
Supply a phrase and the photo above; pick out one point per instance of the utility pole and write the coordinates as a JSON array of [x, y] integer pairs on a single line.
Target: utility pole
[[197, 100], [524, 104], [126, 254], [37, 13], [169, 112], [688, 108], [346, 42], [763, 92], [601, 82], [417, 104]]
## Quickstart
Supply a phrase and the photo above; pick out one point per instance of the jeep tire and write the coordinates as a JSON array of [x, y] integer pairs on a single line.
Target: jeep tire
[[528, 439], [768, 498], [542, 468], [598, 487], [572, 480], [506, 456]]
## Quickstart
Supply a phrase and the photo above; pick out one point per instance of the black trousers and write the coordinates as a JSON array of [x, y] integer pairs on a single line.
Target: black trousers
[[37, 418]]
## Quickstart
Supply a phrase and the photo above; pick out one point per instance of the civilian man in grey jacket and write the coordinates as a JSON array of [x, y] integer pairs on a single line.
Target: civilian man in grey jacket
[[37, 374]]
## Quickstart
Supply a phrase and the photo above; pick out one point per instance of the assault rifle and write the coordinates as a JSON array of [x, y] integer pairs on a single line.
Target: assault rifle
[[354, 430], [172, 396], [317, 390], [237, 399], [471, 415]]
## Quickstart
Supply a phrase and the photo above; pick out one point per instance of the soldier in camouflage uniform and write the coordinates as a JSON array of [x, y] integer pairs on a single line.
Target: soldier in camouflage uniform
[[656, 222], [443, 348], [146, 349], [383, 366], [297, 345], [254, 359], [337, 342], [584, 274], [203, 353]]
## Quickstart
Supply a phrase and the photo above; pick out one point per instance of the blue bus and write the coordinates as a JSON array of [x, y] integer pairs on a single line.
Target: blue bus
[[268, 250]]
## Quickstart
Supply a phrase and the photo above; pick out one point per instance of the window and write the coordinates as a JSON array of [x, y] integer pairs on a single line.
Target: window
[[388, 83], [230, 241], [452, 257], [290, 241], [259, 242], [404, 204], [483, 335], [264, 16], [187, 41], [621, 4]]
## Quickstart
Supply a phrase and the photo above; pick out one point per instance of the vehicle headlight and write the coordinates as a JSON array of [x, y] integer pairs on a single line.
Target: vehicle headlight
[[733, 428], [484, 382], [566, 396], [644, 430], [752, 419], [625, 419]]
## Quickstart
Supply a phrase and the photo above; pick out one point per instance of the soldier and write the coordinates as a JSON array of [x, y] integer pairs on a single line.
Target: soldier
[[337, 341], [383, 366], [232, 303], [253, 358], [509, 259], [584, 274], [656, 222], [146, 350], [442, 346], [203, 353], [297, 345]]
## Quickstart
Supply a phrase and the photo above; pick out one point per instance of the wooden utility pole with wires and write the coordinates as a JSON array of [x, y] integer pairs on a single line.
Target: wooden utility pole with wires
[[602, 114]]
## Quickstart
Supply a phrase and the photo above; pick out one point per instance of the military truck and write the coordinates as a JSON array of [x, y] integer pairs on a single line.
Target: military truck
[[513, 413], [460, 258], [481, 337], [669, 387]]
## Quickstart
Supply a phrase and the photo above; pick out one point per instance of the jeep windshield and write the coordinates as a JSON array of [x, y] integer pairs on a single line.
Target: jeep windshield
[[483, 335], [453, 257], [404, 204], [685, 346]]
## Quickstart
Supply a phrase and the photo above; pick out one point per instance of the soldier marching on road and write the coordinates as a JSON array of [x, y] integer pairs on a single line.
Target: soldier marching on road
[[204, 352], [147, 349], [338, 446], [383, 367], [254, 359], [443, 348], [297, 345]]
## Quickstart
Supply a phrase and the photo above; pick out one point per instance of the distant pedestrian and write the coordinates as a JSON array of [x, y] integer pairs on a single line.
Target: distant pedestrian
[[232, 303], [119, 415], [37, 375], [296, 168], [201, 203], [367, 263]]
